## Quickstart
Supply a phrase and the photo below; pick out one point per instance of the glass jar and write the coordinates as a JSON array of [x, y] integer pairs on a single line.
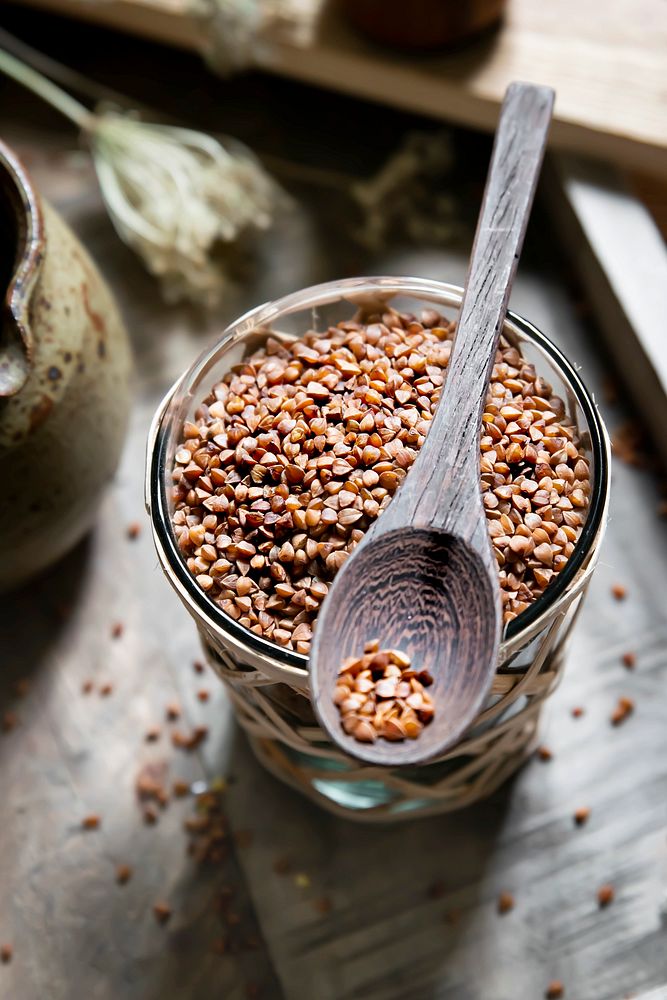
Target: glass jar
[[268, 684]]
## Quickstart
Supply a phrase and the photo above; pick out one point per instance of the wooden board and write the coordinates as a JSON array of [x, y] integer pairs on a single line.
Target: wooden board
[[607, 62], [413, 912], [621, 262]]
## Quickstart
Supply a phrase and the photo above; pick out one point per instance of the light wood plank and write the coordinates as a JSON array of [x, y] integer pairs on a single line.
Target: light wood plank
[[608, 65], [621, 262]]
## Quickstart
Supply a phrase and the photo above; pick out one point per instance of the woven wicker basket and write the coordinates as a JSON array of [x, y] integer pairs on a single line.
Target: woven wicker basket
[[268, 685]]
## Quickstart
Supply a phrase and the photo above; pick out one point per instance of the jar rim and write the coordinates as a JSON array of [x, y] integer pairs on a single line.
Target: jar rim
[[350, 288]]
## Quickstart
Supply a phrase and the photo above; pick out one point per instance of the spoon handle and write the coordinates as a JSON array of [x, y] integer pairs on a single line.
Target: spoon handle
[[446, 472]]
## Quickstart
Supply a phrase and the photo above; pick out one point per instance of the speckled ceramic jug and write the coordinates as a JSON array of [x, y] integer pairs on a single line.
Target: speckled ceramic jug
[[64, 382]]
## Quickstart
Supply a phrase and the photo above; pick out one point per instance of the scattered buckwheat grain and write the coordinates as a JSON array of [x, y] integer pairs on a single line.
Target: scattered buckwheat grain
[[123, 874], [605, 895], [624, 708], [10, 720], [162, 912], [555, 990], [183, 741], [505, 902]]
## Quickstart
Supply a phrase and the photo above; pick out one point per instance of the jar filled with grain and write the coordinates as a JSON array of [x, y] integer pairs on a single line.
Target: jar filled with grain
[[277, 450]]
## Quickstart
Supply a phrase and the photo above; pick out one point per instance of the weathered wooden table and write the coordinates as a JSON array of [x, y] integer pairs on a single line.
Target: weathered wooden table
[[322, 909]]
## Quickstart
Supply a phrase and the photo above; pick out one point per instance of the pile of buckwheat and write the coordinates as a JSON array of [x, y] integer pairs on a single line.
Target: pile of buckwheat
[[293, 455], [380, 694]]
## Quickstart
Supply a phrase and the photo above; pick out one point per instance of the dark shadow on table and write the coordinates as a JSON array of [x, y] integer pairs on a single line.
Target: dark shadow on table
[[33, 617]]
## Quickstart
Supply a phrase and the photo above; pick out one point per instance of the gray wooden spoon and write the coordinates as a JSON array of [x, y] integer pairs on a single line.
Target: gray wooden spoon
[[424, 578]]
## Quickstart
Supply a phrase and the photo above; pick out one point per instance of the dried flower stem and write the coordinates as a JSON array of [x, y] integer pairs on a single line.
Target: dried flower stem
[[172, 193], [48, 91]]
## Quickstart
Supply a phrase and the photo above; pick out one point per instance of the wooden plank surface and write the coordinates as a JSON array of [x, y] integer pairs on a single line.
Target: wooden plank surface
[[621, 261], [607, 62], [413, 909]]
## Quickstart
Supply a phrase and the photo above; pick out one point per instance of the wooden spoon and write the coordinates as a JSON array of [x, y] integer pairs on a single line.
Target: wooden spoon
[[424, 579]]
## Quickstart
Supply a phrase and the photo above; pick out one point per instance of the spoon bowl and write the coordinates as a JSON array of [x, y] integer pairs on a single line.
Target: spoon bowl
[[428, 593]]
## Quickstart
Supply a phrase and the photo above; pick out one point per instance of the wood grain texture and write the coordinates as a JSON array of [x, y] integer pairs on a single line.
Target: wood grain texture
[[447, 468], [624, 279], [608, 63], [412, 909], [429, 558], [430, 595]]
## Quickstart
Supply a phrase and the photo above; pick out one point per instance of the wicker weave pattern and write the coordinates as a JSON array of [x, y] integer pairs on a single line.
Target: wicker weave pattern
[[278, 719]]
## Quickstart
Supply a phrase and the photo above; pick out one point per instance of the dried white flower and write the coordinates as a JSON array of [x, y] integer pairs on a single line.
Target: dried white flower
[[238, 32], [173, 193], [401, 194]]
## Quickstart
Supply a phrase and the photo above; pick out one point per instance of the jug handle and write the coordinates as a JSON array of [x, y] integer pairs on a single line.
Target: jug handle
[[16, 341]]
